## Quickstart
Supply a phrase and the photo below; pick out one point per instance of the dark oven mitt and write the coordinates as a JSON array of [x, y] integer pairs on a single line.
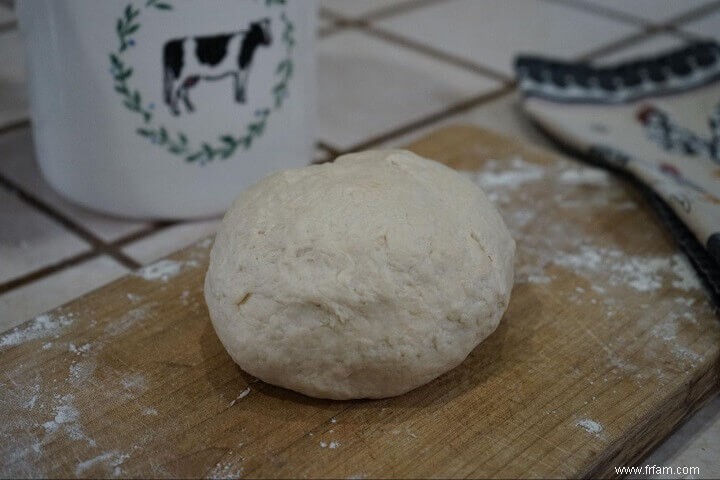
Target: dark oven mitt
[[657, 121]]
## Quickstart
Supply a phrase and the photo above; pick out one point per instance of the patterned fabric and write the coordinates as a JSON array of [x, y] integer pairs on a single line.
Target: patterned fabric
[[657, 121]]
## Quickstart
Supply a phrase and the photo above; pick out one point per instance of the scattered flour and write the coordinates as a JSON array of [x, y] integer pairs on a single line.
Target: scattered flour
[[162, 270], [584, 176], [149, 411], [225, 471], [242, 395], [134, 383], [81, 371], [110, 461], [590, 426], [588, 258], [76, 432], [334, 444], [133, 297], [510, 178], [538, 279], [42, 326], [129, 319], [205, 242], [81, 350], [641, 273], [64, 413], [687, 279], [184, 297]]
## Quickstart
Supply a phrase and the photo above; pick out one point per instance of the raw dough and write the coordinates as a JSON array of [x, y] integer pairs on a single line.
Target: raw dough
[[362, 278]]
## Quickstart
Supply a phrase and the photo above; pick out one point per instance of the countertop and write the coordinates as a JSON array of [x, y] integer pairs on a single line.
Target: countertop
[[439, 62]]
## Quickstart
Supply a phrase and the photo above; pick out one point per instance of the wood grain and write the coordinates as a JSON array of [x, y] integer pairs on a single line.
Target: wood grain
[[608, 344]]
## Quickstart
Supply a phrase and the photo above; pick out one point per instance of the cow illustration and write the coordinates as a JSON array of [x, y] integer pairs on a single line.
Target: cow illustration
[[188, 60]]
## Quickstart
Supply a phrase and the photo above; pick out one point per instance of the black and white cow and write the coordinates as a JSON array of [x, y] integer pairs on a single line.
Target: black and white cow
[[188, 60]]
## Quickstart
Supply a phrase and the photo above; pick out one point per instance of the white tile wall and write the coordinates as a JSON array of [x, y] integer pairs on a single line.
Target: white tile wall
[[30, 240], [33, 299], [654, 11], [369, 86], [706, 26], [502, 115], [172, 239], [360, 8], [647, 47], [492, 32]]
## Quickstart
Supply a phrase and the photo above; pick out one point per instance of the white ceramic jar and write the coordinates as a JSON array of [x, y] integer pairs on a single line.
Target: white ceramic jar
[[168, 108]]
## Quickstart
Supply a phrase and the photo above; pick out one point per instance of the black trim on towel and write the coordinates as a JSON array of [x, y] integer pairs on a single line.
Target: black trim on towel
[[708, 269], [678, 71]]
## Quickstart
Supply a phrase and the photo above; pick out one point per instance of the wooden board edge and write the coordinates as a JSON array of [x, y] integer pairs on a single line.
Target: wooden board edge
[[655, 427]]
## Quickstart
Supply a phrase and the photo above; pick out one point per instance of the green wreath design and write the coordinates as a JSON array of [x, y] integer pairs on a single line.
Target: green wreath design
[[179, 144]]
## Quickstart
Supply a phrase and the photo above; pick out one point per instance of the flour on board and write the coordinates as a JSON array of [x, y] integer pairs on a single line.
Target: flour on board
[[584, 176], [226, 470], [81, 371], [639, 272], [204, 243], [590, 426], [134, 383], [109, 462], [43, 326], [493, 176], [81, 350], [242, 395], [162, 270], [134, 298], [130, 318], [65, 412]]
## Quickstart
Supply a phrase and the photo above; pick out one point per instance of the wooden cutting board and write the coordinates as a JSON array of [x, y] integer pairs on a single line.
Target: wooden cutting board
[[609, 342]]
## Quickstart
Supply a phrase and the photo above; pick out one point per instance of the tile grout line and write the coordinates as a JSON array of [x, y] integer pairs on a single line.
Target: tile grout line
[[342, 23], [380, 13], [47, 270], [394, 10], [69, 224], [459, 107], [603, 11], [327, 148], [142, 234], [434, 53], [74, 260], [692, 14], [9, 26], [15, 125], [686, 36], [477, 101], [620, 43]]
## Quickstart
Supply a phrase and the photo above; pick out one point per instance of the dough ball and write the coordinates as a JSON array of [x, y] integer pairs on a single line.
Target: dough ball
[[362, 278]]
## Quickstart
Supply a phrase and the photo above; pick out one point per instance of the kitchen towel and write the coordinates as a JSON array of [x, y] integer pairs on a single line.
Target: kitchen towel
[[656, 120]]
